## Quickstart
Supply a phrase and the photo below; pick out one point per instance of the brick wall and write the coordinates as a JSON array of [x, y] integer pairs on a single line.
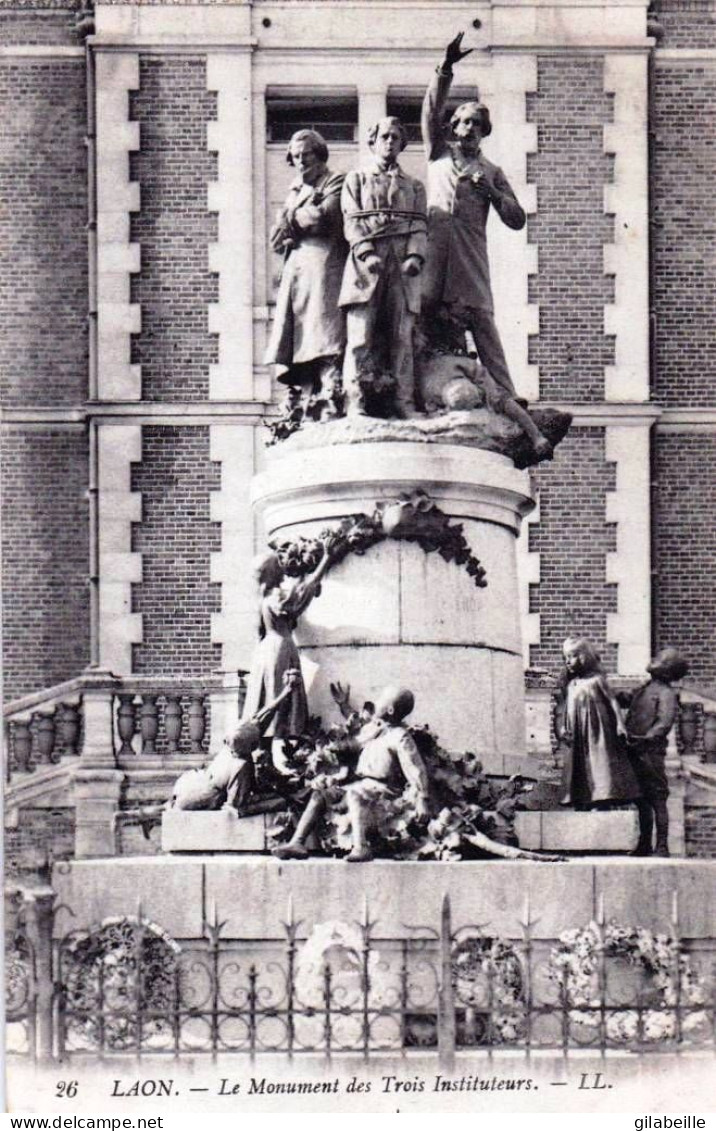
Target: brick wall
[[570, 168], [573, 539], [685, 549], [43, 275], [700, 830], [45, 558], [41, 27], [39, 832], [176, 537], [686, 23], [174, 229], [683, 234]]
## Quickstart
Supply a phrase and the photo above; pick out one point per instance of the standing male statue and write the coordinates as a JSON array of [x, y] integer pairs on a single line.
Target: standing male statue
[[462, 185], [308, 333], [384, 216]]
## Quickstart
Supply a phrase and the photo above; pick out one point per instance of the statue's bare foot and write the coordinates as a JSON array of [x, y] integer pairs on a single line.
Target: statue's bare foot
[[290, 852], [543, 448], [358, 856]]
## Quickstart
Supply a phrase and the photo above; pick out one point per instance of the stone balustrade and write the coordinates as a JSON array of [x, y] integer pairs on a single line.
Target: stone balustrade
[[100, 719], [43, 729]]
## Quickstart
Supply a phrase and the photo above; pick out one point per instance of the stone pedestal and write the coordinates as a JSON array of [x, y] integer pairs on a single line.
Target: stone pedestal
[[96, 793], [221, 830], [400, 615]]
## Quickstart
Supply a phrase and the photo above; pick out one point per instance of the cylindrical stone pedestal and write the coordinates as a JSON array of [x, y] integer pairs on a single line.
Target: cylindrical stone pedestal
[[400, 615]]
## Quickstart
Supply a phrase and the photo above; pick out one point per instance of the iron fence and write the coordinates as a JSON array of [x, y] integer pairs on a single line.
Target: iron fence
[[126, 987]]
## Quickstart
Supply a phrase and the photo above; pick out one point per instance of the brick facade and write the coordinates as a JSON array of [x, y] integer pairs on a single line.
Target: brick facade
[[44, 355], [43, 235], [685, 548], [174, 229], [701, 832], [573, 539], [45, 558], [41, 833], [570, 168], [683, 234], [176, 537], [686, 23]]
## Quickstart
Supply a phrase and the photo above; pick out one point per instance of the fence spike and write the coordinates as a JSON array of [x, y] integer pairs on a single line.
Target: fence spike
[[527, 909], [289, 910], [675, 907], [366, 919]]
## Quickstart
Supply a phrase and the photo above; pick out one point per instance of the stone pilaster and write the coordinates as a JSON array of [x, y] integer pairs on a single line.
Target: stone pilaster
[[119, 445], [235, 626], [117, 197], [512, 258], [528, 573], [629, 566], [627, 199]]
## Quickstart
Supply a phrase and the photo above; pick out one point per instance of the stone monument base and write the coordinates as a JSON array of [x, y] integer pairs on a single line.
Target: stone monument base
[[219, 831], [251, 894], [564, 830]]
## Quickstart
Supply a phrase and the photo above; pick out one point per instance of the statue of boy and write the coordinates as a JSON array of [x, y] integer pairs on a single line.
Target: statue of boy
[[308, 332], [384, 217], [387, 759], [652, 713], [462, 186]]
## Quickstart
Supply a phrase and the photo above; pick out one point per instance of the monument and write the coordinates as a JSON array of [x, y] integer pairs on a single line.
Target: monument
[[396, 480]]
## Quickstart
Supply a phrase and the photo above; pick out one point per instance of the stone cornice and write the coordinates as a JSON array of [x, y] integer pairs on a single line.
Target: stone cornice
[[245, 411], [41, 51], [685, 56]]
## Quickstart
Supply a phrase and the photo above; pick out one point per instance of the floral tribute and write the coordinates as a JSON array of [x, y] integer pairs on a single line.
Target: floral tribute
[[413, 518], [487, 978], [668, 1002], [468, 806]]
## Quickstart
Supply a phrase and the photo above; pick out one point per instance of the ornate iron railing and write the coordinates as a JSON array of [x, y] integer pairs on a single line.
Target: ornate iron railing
[[126, 987]]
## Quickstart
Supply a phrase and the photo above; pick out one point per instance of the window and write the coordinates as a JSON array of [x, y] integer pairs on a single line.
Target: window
[[334, 113], [406, 103]]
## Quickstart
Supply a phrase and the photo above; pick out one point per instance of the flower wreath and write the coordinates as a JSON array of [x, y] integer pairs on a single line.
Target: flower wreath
[[574, 966], [480, 959]]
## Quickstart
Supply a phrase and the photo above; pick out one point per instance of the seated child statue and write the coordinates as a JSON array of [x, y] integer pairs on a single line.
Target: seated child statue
[[387, 759], [228, 780], [652, 713]]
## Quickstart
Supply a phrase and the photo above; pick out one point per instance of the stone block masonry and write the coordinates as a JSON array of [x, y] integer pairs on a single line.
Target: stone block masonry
[[175, 285], [43, 282], [573, 540], [176, 538], [45, 558], [685, 548], [570, 228]]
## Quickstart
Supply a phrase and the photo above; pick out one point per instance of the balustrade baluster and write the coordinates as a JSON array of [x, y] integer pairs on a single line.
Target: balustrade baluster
[[69, 726], [688, 727], [149, 725], [126, 723], [709, 737], [22, 745], [46, 736], [197, 723], [172, 723]]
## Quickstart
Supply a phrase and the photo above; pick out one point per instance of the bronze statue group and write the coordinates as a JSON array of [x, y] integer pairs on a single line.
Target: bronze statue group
[[368, 254], [364, 256]]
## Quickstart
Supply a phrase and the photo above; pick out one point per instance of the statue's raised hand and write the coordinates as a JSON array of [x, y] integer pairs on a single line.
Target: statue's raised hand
[[454, 52], [341, 694]]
